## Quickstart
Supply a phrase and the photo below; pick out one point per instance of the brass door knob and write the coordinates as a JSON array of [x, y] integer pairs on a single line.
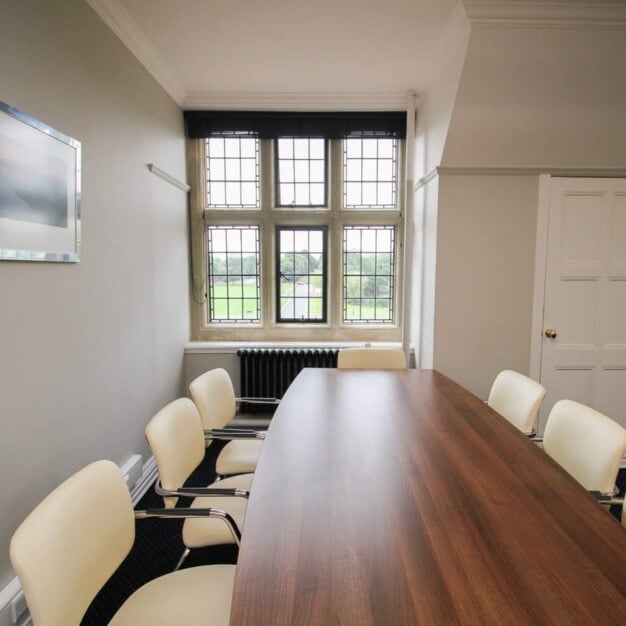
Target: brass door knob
[[550, 333]]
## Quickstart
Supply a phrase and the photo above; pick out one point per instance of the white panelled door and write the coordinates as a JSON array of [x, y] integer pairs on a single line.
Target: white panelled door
[[583, 354]]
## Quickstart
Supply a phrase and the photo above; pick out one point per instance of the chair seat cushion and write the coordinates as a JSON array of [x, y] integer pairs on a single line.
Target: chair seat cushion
[[198, 596], [238, 457], [198, 533], [240, 481]]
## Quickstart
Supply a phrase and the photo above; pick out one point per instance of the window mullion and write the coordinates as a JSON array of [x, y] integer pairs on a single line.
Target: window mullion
[[335, 244], [268, 313]]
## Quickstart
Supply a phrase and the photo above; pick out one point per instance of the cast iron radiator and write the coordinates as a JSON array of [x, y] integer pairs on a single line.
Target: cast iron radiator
[[268, 373]]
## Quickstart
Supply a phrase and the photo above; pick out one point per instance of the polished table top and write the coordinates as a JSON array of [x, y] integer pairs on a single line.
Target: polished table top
[[398, 498]]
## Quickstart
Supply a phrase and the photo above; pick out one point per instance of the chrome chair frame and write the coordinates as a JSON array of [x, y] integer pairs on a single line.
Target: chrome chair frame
[[186, 513], [200, 492]]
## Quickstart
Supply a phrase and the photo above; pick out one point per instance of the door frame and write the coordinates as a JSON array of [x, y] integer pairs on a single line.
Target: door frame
[[541, 259]]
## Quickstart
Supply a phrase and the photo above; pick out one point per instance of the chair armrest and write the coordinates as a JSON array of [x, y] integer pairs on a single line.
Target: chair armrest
[[608, 499], [233, 433], [273, 401], [604, 498], [192, 513], [201, 492]]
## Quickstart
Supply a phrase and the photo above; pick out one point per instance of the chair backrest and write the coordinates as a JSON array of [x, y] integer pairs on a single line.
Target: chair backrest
[[214, 396], [69, 546], [371, 358], [586, 443], [517, 398], [176, 438]]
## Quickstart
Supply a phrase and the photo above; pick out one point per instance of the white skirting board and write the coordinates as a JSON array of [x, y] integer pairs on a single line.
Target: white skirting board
[[13, 589], [6, 597], [146, 480]]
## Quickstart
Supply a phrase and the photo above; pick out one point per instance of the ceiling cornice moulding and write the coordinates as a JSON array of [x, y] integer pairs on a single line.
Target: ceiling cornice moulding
[[547, 14], [298, 101], [535, 170], [119, 20], [518, 170]]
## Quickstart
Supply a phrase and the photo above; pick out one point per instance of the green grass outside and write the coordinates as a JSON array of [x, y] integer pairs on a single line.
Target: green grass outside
[[380, 312], [234, 302], [243, 304]]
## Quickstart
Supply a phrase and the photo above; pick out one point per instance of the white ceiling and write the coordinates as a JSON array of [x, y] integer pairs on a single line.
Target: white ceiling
[[318, 53], [204, 50]]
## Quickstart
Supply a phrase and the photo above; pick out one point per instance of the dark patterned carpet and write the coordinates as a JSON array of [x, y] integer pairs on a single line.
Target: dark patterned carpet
[[158, 547]]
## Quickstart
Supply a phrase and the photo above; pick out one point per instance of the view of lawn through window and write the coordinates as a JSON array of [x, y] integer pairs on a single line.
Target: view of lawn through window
[[234, 274], [301, 278], [368, 273]]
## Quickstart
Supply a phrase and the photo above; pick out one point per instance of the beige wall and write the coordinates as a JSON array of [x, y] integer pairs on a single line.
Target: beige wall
[[485, 266], [540, 97], [89, 351], [438, 96], [197, 362]]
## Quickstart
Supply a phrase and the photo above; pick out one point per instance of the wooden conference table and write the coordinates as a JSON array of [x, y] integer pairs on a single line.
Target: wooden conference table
[[399, 498]]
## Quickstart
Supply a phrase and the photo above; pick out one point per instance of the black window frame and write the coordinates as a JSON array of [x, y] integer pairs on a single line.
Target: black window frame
[[277, 251]]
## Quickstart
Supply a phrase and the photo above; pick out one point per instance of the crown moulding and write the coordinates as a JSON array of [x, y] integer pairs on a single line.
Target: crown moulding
[[547, 14], [518, 170]]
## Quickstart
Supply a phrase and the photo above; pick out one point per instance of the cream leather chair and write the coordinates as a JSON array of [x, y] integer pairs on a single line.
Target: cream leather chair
[[371, 358], [586, 443], [214, 396], [176, 438], [517, 398], [70, 545]]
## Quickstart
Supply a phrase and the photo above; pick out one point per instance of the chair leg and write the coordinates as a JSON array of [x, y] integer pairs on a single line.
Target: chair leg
[[182, 558]]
